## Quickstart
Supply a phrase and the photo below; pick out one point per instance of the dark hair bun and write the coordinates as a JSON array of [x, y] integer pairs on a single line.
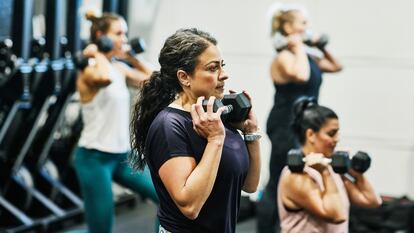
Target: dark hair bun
[[299, 107], [302, 103]]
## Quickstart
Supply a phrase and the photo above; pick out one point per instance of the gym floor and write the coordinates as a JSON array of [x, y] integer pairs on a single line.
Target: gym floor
[[140, 219]]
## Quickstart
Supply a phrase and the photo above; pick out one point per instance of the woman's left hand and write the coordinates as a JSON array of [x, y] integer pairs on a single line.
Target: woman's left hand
[[249, 125]]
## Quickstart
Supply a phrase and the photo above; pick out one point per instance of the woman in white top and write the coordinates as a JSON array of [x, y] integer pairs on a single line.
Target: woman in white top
[[104, 143]]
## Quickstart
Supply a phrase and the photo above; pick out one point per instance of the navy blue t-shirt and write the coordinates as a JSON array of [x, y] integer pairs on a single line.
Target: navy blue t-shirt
[[171, 134]]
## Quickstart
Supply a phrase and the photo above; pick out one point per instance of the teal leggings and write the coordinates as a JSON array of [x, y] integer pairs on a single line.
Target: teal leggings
[[95, 170]]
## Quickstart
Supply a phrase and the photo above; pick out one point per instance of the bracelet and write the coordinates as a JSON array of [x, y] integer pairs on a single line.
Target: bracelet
[[250, 137]]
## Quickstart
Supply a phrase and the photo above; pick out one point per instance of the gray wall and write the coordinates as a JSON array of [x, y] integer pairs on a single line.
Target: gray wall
[[374, 95]]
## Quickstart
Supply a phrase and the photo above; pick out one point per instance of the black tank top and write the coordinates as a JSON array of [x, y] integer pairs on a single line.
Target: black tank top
[[287, 94]]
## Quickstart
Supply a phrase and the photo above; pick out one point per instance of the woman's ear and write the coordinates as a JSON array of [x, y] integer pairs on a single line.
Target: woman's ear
[[98, 34], [287, 28], [310, 136], [184, 78]]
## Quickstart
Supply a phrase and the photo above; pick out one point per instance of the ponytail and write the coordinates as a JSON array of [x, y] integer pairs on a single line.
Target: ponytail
[[100, 24], [307, 114], [156, 94], [180, 51]]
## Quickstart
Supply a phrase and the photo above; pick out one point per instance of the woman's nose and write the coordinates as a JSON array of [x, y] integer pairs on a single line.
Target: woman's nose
[[223, 75]]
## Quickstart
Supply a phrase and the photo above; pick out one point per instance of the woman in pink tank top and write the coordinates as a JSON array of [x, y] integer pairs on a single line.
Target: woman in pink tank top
[[318, 199]]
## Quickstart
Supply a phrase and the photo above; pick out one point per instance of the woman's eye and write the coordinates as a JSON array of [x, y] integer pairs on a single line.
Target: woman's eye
[[332, 134], [213, 68]]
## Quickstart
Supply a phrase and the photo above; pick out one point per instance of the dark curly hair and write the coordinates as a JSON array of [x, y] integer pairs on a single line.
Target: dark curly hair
[[180, 52]]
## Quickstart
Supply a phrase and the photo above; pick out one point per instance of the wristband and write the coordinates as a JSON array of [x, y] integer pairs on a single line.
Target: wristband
[[250, 137]]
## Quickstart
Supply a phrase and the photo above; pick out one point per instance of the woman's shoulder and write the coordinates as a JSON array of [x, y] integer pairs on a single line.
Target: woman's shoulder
[[171, 117], [308, 178]]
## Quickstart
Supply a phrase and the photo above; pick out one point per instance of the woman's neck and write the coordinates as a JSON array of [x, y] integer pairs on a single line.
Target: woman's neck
[[109, 56], [307, 149], [184, 102]]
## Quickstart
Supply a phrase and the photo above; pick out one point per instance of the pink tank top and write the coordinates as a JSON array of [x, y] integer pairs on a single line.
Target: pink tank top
[[301, 221]]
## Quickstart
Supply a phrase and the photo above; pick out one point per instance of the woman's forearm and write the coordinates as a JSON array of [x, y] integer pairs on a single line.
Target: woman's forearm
[[331, 199], [253, 174], [200, 182]]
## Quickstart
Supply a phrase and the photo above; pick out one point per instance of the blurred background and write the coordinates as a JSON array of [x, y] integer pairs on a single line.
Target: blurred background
[[373, 95]]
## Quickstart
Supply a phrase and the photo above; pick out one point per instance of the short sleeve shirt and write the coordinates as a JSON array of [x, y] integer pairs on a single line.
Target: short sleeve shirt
[[171, 134]]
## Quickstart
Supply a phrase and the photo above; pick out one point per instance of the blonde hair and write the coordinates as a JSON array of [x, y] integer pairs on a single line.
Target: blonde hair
[[279, 19], [280, 14], [100, 24]]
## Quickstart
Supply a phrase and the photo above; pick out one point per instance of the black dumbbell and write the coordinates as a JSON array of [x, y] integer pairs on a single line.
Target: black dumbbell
[[241, 106], [360, 162], [320, 43], [8, 59], [296, 161], [38, 48], [104, 45], [218, 104], [237, 107], [280, 42], [137, 46]]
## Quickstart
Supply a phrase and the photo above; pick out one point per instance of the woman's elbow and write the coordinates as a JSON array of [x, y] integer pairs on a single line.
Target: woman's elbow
[[189, 209], [339, 68], [337, 218], [374, 203], [190, 212], [334, 69], [299, 78], [250, 188]]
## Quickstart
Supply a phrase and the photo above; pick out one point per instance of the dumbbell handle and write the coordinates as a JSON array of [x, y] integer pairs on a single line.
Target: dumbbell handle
[[323, 160], [218, 104]]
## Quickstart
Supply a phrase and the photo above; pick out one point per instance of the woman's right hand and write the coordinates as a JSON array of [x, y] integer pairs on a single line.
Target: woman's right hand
[[208, 124], [317, 161], [90, 51]]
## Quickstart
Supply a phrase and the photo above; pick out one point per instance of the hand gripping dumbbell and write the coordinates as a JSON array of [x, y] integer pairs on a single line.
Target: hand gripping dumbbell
[[340, 161], [237, 107], [104, 45], [320, 43], [280, 42], [296, 161]]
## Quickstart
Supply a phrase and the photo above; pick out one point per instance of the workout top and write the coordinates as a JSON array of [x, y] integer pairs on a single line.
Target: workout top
[[171, 134], [106, 117], [286, 94], [293, 221]]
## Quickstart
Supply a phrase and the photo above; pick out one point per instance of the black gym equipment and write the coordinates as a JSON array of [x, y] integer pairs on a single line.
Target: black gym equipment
[[28, 136], [15, 101], [117, 6], [237, 107], [340, 161], [37, 183], [7, 60], [64, 74]]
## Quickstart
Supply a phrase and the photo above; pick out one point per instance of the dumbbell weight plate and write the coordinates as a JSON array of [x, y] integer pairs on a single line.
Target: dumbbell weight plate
[[340, 162], [295, 160], [361, 162]]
